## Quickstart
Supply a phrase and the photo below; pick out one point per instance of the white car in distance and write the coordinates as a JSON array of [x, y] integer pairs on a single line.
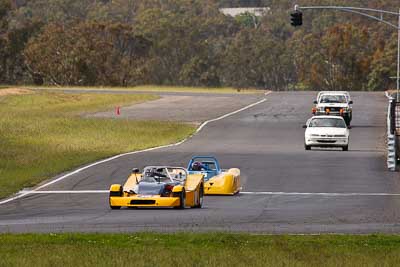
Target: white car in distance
[[334, 92], [326, 131], [334, 103]]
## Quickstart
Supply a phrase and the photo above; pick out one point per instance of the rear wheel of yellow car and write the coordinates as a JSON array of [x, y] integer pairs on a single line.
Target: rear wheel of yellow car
[[200, 198], [115, 194], [182, 200]]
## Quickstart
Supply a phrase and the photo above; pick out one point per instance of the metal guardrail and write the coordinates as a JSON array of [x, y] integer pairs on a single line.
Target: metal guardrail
[[391, 135]]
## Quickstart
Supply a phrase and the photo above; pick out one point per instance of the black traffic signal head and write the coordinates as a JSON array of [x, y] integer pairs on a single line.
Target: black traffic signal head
[[296, 18]]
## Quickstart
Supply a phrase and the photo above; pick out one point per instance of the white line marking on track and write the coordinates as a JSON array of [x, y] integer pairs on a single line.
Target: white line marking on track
[[24, 193], [230, 114], [241, 193], [319, 194], [67, 192]]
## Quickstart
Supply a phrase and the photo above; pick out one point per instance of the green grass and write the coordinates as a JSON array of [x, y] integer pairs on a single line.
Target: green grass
[[190, 249], [155, 88], [43, 134]]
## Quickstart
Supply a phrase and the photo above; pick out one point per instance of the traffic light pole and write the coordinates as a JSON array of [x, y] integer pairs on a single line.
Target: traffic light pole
[[363, 12]]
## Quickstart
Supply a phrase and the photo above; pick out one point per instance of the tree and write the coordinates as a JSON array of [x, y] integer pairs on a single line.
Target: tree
[[12, 43], [189, 42], [188, 37], [338, 59], [383, 66], [5, 8], [88, 54], [248, 20], [257, 59]]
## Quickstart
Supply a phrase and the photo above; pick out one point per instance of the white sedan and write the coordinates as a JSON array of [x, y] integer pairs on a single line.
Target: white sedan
[[326, 131]]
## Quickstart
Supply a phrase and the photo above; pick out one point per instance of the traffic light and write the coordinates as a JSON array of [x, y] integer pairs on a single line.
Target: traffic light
[[296, 18]]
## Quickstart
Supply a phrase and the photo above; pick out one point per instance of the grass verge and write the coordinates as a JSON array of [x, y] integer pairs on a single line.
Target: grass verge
[[43, 134], [155, 88], [192, 249]]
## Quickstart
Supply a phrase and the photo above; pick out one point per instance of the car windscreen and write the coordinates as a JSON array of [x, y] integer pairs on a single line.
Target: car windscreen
[[155, 174], [209, 165], [177, 174], [333, 99], [327, 122]]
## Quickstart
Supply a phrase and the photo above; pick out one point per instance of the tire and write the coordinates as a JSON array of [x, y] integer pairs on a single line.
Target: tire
[[115, 194], [345, 148], [347, 120], [182, 200], [201, 197], [307, 147]]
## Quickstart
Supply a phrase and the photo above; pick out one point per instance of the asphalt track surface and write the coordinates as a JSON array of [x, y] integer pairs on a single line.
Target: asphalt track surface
[[289, 190]]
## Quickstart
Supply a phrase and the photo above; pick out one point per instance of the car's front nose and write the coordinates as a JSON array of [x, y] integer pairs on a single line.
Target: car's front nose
[[326, 138], [144, 201]]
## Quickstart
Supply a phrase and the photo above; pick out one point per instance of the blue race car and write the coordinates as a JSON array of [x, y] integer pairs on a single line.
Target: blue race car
[[216, 180]]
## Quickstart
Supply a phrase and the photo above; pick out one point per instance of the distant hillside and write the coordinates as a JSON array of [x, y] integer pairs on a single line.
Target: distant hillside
[[187, 42]]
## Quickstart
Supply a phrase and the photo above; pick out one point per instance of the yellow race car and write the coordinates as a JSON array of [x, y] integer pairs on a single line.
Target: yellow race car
[[216, 180], [159, 186]]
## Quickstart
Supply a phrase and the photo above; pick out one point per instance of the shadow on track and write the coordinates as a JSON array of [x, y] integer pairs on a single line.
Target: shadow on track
[[367, 126], [349, 151]]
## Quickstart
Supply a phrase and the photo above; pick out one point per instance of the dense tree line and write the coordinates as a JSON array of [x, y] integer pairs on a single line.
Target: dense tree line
[[189, 42]]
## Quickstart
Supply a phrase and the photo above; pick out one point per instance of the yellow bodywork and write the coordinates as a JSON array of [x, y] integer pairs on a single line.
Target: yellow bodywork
[[226, 183], [142, 201], [192, 186]]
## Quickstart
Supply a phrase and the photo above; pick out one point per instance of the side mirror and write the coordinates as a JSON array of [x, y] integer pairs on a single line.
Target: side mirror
[[304, 126], [315, 102], [135, 170], [351, 102]]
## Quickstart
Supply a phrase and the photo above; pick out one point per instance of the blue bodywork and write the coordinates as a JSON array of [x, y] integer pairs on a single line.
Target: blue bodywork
[[210, 166]]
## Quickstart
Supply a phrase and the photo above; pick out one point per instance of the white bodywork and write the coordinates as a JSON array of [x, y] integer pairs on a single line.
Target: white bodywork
[[321, 105], [334, 92], [336, 135]]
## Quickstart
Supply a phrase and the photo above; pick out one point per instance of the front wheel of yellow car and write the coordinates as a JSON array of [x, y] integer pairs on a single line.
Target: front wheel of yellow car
[[182, 200], [115, 194], [115, 207], [200, 198]]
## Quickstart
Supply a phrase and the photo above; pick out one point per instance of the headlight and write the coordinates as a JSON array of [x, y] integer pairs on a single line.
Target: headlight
[[340, 135]]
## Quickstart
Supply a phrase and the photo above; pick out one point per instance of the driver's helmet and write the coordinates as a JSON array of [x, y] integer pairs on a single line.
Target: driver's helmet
[[197, 166]]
